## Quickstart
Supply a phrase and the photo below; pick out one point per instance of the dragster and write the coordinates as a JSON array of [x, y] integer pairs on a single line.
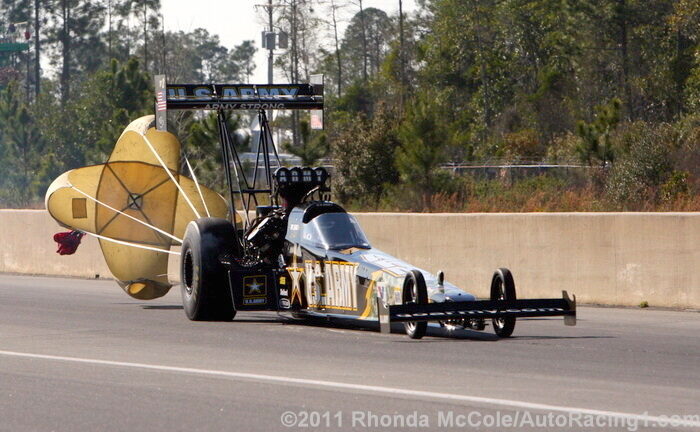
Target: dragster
[[304, 254], [277, 242]]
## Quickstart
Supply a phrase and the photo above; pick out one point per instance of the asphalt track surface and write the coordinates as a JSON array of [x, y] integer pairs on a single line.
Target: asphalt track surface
[[78, 355]]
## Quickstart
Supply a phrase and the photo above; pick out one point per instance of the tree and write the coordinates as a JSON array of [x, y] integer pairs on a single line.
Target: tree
[[643, 166], [83, 130], [334, 8], [202, 147], [146, 12], [685, 23], [363, 152], [402, 51], [76, 28], [314, 145], [198, 56], [398, 69], [20, 143], [37, 50], [422, 150], [466, 62], [301, 23], [239, 65], [363, 28], [596, 145], [365, 44], [129, 96]]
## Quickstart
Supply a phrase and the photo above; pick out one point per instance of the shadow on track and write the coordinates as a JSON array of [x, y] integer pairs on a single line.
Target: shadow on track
[[560, 337], [435, 332]]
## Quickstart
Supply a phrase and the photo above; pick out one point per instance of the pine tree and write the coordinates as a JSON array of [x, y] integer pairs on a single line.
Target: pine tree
[[20, 142]]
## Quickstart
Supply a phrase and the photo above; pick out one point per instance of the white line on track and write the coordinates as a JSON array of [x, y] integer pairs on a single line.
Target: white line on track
[[361, 387]]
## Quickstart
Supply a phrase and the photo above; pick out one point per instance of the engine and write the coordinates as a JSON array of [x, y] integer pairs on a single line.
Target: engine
[[266, 235]]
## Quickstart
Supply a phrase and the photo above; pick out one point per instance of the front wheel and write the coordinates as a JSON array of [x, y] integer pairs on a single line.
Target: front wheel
[[415, 291], [503, 288], [206, 295]]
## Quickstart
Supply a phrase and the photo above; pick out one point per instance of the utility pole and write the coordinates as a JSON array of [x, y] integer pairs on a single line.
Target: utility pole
[[271, 41], [402, 70], [270, 59], [271, 48], [37, 59]]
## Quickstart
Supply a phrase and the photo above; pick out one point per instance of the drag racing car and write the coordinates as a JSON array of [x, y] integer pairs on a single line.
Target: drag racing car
[[303, 255], [276, 242]]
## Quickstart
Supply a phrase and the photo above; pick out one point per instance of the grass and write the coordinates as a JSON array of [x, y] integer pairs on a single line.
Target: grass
[[535, 194]]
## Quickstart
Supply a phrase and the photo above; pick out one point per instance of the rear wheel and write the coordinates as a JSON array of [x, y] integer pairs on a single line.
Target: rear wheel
[[206, 295], [415, 291], [503, 288]]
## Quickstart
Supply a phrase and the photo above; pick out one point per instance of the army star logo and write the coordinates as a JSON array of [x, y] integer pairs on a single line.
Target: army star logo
[[295, 273], [255, 286]]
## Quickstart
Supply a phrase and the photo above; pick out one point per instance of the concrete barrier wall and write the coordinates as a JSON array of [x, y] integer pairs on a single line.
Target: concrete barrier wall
[[27, 246], [605, 258]]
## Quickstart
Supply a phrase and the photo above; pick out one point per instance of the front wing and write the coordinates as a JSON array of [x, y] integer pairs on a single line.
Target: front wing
[[564, 306]]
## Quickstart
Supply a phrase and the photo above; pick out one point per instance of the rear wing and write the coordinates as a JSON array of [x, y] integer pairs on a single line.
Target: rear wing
[[235, 97], [258, 97]]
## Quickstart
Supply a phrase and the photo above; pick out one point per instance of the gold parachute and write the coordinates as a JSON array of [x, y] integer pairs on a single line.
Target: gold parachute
[[137, 204]]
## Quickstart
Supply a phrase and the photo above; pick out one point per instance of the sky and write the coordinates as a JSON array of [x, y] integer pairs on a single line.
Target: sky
[[238, 20]]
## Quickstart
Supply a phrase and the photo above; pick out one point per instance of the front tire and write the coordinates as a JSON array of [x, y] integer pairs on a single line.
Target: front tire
[[415, 291], [503, 288], [206, 295]]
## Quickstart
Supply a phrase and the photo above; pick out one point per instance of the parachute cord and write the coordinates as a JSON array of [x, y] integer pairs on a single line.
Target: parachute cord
[[196, 183], [125, 243], [165, 233], [184, 195]]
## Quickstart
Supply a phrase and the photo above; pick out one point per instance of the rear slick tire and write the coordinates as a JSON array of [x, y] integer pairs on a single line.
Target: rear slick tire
[[206, 295], [415, 291], [503, 288]]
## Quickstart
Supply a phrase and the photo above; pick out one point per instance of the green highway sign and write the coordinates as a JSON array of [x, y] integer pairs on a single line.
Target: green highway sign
[[13, 47]]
